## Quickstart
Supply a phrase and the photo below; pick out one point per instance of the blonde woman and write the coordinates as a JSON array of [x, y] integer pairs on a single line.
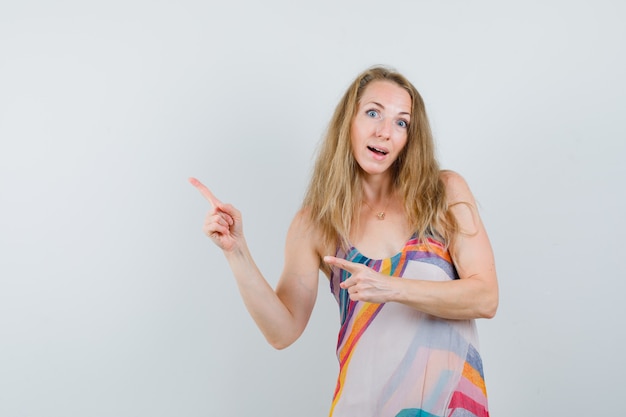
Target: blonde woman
[[405, 252]]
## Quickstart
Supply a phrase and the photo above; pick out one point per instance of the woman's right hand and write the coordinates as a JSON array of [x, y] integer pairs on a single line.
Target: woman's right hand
[[223, 223]]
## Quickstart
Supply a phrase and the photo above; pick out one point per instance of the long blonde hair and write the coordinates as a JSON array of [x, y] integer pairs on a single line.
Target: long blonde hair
[[334, 194]]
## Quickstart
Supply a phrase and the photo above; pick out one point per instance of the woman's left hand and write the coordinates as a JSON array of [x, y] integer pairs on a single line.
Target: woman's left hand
[[364, 284]]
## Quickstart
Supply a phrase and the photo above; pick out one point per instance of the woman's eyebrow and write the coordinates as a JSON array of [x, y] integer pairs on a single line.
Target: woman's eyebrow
[[383, 107], [369, 103]]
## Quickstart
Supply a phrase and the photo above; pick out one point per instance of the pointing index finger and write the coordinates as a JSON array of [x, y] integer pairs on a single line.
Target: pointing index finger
[[342, 263], [205, 192]]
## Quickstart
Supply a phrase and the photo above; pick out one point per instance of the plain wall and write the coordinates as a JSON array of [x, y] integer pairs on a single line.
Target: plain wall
[[113, 302]]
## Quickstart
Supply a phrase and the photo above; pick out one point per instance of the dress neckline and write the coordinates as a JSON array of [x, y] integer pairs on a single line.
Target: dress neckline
[[355, 250]]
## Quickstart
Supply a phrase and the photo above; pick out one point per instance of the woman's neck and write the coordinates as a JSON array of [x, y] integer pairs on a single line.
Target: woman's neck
[[377, 190]]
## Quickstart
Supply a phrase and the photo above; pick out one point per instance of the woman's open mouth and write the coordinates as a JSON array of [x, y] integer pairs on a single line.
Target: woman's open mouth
[[377, 150]]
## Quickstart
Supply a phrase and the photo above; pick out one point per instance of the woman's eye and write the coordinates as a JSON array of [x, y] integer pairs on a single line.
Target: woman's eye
[[403, 123], [372, 113]]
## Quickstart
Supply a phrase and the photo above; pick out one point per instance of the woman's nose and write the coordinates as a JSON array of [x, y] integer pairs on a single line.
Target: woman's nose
[[383, 129]]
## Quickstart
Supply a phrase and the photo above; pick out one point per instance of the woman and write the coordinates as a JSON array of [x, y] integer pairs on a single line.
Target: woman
[[404, 249]]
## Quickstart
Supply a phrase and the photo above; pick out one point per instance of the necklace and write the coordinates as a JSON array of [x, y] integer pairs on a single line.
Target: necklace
[[380, 214]]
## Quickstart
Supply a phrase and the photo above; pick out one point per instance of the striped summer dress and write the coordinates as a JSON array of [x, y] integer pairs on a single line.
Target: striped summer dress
[[395, 361]]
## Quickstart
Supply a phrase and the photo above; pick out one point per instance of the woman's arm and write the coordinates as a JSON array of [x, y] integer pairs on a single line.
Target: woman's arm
[[474, 295], [280, 314]]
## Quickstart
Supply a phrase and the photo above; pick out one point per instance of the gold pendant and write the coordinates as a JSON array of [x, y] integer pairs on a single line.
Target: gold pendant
[[381, 215]]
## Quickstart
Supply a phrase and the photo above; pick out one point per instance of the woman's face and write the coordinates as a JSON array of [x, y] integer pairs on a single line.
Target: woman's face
[[380, 126]]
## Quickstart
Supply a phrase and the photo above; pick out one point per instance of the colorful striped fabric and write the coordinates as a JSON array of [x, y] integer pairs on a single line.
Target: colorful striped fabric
[[395, 361]]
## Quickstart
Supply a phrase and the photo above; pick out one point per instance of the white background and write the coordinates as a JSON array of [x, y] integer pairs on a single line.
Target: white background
[[113, 303]]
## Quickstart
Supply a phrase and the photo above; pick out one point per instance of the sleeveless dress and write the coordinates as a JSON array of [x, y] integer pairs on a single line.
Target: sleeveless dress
[[395, 361]]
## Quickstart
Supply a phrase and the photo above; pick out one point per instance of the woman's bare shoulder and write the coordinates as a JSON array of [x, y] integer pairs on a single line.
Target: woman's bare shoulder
[[303, 221], [457, 189], [307, 228], [452, 178], [306, 232]]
